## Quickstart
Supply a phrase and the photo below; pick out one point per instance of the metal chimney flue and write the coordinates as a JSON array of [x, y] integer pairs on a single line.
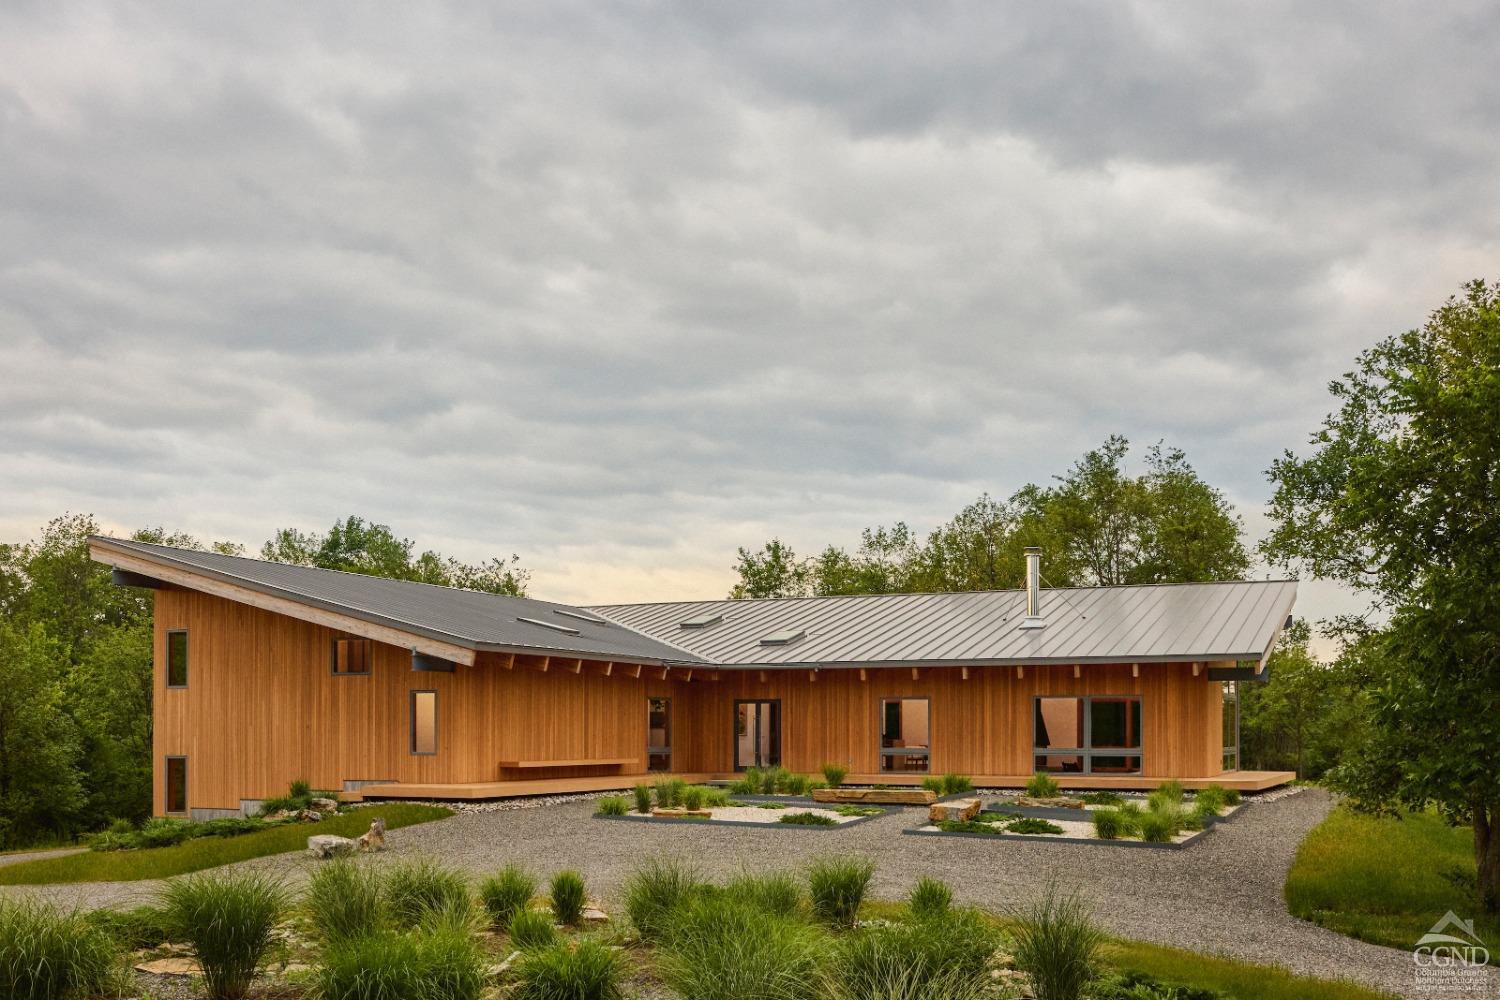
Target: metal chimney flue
[[1033, 617]]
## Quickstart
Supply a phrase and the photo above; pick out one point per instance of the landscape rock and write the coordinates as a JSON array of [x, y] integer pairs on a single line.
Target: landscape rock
[[327, 845], [373, 839], [1058, 802], [170, 967], [679, 813], [594, 915], [880, 796], [325, 805], [501, 968], [959, 810]]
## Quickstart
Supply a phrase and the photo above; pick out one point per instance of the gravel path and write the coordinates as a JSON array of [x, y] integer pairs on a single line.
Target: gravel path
[[1221, 895], [50, 852]]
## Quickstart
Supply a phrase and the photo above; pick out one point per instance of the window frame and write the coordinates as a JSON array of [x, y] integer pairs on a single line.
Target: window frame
[[411, 718], [166, 785], [734, 736], [1088, 751], [333, 656], [186, 658], [659, 751], [888, 752]]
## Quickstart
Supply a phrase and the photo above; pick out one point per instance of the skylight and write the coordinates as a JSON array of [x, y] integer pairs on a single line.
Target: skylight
[[580, 616], [783, 638], [702, 621], [552, 625]]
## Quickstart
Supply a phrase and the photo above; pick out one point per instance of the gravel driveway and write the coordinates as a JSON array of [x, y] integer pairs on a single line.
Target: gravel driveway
[[1221, 895]]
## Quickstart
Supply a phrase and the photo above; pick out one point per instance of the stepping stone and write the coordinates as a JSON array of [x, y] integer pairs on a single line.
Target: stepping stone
[[170, 967]]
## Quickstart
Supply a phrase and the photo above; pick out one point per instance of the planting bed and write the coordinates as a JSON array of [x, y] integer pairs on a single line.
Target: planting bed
[[766, 814]]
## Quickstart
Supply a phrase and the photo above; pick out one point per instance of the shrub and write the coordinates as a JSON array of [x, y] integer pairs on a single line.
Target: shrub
[[614, 805], [589, 971], [134, 929], [532, 929], [1042, 786], [744, 786], [692, 797], [929, 898], [643, 798], [838, 887], [968, 826], [568, 896], [160, 831], [776, 893], [1135, 985], [834, 774], [722, 949], [418, 892], [955, 784], [442, 965], [933, 783], [797, 784], [1156, 827], [1103, 798], [506, 893], [1056, 944], [227, 919], [48, 954], [344, 900], [655, 891], [1032, 825], [1109, 824], [807, 819]]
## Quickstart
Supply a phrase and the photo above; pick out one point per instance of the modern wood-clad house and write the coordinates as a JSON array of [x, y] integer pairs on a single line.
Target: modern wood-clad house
[[268, 673]]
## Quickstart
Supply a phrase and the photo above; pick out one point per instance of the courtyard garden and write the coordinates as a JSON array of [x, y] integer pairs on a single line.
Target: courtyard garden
[[673, 800]]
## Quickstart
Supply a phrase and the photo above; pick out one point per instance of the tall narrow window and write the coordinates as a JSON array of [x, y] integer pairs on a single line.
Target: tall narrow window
[[351, 656], [658, 734], [905, 735], [177, 659], [1088, 735], [176, 786], [424, 722], [1231, 726]]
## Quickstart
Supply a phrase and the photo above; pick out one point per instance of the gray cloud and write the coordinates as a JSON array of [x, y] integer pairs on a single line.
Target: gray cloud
[[622, 288]]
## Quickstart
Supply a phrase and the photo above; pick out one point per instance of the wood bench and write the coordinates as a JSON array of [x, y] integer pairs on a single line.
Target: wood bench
[[527, 765]]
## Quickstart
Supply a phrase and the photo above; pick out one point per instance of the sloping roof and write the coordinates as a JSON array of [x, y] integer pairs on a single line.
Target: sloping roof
[[1168, 622], [463, 617]]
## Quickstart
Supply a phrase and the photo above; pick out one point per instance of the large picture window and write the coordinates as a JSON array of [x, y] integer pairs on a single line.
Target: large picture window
[[1088, 735], [424, 722], [658, 734], [905, 735], [177, 659]]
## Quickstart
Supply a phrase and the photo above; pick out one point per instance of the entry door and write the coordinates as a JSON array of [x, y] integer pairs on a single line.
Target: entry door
[[757, 734]]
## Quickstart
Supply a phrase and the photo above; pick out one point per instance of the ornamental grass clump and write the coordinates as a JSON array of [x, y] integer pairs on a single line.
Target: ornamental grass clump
[[807, 819], [714, 797], [933, 783], [957, 784], [613, 805], [669, 792], [838, 886], [568, 895], [720, 948], [1209, 801], [692, 797], [585, 971], [1056, 943], [227, 920], [506, 893], [1156, 827], [1168, 793], [796, 784], [344, 900], [532, 929], [423, 892], [435, 965], [929, 898], [1109, 824], [51, 954], [1042, 786], [642, 798], [834, 774], [942, 956], [656, 890], [777, 893]]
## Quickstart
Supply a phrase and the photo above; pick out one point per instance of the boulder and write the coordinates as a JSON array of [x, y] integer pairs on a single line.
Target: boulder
[[373, 839], [958, 810], [1058, 802], [326, 845], [325, 805]]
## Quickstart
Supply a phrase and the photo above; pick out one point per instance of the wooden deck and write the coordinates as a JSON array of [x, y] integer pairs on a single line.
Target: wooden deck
[[1244, 781]]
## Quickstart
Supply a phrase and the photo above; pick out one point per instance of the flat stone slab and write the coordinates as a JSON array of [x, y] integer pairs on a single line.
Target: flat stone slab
[[877, 796], [174, 966], [958, 810], [680, 813]]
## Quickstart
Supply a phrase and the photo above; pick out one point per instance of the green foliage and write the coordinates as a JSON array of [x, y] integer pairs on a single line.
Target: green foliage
[[506, 893], [720, 948], [1302, 720], [1110, 824], [227, 919], [440, 965], [1227, 977], [834, 774], [1168, 791], [133, 929], [669, 792], [422, 891], [933, 783], [957, 784], [777, 893], [1031, 825], [568, 897], [1139, 986], [692, 797], [1057, 943], [929, 898], [838, 886], [942, 956], [49, 954], [642, 798], [532, 929], [655, 890], [1102, 798], [969, 826], [343, 899], [853, 810], [1157, 827], [39, 743], [209, 852], [1397, 499], [585, 971], [715, 798], [807, 819], [614, 805], [1210, 800], [1042, 786], [1385, 879], [795, 784]]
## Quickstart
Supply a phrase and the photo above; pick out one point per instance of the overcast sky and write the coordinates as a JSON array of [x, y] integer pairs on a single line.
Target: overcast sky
[[622, 287]]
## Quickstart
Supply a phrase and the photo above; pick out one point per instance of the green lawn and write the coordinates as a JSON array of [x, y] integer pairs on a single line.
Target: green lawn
[[208, 852], [1385, 880], [1236, 980]]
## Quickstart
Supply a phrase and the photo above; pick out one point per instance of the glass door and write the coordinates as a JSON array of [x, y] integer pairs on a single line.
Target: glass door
[[757, 734]]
